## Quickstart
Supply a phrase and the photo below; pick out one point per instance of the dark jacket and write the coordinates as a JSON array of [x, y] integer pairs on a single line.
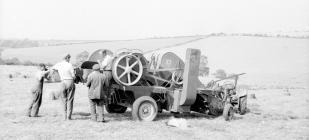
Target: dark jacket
[[97, 89]]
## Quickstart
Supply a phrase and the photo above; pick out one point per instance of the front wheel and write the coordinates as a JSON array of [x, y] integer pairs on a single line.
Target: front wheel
[[144, 109], [228, 112]]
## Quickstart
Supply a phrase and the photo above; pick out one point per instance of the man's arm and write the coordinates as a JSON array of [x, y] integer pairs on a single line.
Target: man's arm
[[54, 68], [72, 72], [46, 74], [89, 79]]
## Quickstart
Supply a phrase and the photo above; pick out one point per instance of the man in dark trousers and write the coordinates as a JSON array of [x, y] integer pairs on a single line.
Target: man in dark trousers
[[37, 91], [97, 93], [67, 91]]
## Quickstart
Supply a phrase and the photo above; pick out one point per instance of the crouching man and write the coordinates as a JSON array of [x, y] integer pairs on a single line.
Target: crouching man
[[97, 93], [37, 91]]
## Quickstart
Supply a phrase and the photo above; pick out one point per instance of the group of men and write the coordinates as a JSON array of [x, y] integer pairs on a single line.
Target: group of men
[[98, 82]]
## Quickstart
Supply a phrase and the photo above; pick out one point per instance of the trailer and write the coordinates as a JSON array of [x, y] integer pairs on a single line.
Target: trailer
[[148, 87]]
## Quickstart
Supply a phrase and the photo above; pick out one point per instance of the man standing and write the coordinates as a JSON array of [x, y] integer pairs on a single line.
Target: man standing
[[37, 91], [97, 93], [67, 76]]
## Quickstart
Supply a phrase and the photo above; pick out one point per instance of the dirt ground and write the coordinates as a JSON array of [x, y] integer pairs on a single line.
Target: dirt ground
[[272, 115]]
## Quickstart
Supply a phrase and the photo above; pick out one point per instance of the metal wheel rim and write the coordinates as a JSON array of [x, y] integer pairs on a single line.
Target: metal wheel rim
[[128, 70], [146, 111]]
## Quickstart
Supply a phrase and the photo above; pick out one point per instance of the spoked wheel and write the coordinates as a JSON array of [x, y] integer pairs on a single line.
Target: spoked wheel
[[228, 112], [144, 109], [127, 70]]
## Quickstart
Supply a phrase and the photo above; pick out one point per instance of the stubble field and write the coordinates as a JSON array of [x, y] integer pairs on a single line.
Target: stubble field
[[272, 115]]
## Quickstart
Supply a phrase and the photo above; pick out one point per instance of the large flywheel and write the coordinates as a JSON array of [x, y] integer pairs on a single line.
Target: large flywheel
[[127, 69]]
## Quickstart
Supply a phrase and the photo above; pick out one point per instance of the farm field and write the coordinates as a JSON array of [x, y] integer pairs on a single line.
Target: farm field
[[269, 60], [272, 115], [272, 65]]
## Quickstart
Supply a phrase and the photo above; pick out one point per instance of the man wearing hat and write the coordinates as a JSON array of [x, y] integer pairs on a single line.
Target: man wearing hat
[[97, 93], [67, 91]]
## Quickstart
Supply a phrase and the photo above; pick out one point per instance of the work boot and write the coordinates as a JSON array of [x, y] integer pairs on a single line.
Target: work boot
[[101, 120], [69, 117]]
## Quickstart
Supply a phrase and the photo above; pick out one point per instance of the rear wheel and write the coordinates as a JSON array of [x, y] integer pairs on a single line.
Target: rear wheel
[[144, 109], [114, 108], [215, 106], [228, 112], [214, 111]]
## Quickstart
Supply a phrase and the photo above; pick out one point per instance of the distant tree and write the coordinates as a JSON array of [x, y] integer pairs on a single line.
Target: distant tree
[[203, 61], [220, 73], [81, 57], [29, 63], [1, 61], [203, 69], [12, 61]]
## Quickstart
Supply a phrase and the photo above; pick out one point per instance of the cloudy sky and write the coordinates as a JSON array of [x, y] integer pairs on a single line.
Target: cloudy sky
[[130, 19]]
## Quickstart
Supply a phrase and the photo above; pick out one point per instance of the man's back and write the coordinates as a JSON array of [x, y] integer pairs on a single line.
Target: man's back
[[65, 70], [95, 83]]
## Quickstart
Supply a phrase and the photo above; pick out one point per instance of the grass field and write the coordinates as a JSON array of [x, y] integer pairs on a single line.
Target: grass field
[[273, 115], [272, 66], [265, 59]]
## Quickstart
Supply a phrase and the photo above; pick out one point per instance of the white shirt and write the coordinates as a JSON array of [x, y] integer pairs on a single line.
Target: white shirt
[[65, 70], [106, 64]]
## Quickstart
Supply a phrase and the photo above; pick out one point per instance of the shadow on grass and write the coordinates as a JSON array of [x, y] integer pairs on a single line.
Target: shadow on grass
[[80, 116], [118, 116], [161, 116], [127, 116], [81, 113], [188, 116], [108, 116], [237, 117]]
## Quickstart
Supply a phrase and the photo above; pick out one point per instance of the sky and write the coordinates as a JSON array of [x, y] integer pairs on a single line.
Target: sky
[[133, 19]]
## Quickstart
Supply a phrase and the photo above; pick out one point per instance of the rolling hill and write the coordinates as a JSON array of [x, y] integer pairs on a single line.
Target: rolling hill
[[268, 61]]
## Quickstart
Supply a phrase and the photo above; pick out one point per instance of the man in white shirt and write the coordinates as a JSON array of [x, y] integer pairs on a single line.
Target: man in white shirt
[[106, 64], [67, 76]]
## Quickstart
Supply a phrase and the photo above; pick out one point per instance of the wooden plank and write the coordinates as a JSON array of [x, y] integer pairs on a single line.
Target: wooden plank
[[190, 77]]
